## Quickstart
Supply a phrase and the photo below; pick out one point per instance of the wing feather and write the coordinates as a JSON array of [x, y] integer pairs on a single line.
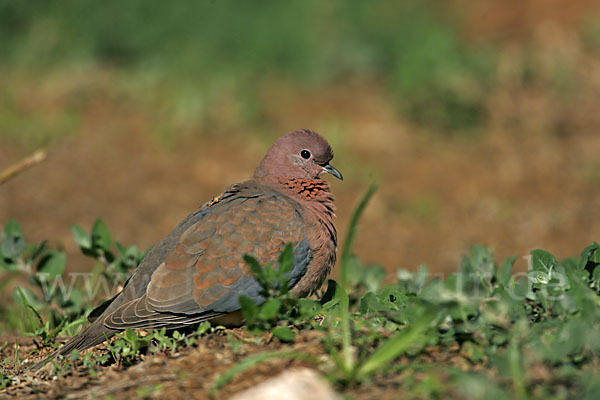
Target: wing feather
[[203, 275]]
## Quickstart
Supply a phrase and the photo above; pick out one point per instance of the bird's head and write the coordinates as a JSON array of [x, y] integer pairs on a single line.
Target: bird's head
[[302, 154]]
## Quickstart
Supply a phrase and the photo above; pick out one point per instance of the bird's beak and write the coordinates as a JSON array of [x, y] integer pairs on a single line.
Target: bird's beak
[[331, 170]]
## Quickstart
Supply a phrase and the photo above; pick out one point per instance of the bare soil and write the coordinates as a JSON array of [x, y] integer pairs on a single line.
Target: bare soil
[[190, 372]]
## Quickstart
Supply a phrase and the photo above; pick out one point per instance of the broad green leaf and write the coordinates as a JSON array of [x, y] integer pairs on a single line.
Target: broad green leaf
[[355, 270], [269, 309], [595, 256], [388, 300], [284, 333], [101, 236], [249, 308], [504, 271], [590, 254], [540, 277], [12, 228], [36, 250], [13, 242], [121, 250], [53, 264], [203, 327], [372, 277], [81, 237], [286, 259], [370, 303], [74, 301], [542, 261], [255, 267], [329, 299], [308, 308], [482, 262], [473, 352], [596, 277], [24, 296]]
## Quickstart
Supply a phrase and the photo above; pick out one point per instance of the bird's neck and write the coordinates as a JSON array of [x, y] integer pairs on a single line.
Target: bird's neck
[[307, 189], [313, 194]]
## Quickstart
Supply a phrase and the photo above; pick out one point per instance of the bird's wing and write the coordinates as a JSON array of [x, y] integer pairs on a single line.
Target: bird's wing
[[203, 274]]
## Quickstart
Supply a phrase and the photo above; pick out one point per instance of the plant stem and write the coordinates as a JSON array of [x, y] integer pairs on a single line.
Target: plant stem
[[22, 165], [349, 241], [347, 350]]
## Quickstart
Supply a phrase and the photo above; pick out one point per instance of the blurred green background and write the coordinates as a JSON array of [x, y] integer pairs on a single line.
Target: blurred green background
[[479, 118]]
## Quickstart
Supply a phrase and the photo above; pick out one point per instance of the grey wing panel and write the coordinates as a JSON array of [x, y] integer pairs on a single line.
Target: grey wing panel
[[248, 286]]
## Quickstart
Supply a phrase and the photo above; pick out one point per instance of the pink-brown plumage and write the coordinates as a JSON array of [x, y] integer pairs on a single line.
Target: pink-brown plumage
[[197, 272]]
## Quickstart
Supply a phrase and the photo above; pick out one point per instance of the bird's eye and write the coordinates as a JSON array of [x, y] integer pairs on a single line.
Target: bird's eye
[[305, 154]]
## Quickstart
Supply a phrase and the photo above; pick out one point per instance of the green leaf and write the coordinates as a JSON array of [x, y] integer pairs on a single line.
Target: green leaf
[[12, 228], [308, 308], [329, 299], [269, 309], [355, 270], [543, 261], [249, 308], [373, 275], [482, 262], [370, 304], [595, 256], [379, 303], [81, 237], [254, 265], [27, 299], [473, 352], [101, 236], [53, 264], [413, 282], [74, 356], [396, 345], [504, 272], [25, 296], [121, 250], [596, 277], [284, 333], [13, 241], [520, 288], [590, 258], [286, 259], [203, 327]]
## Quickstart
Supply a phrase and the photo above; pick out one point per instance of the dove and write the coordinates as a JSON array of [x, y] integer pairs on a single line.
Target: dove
[[197, 272]]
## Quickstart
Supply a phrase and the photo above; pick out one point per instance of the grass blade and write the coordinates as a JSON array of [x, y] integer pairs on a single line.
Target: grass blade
[[396, 345], [349, 241], [347, 353]]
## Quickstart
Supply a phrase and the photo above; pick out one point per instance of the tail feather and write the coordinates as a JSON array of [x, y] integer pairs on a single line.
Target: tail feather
[[94, 334]]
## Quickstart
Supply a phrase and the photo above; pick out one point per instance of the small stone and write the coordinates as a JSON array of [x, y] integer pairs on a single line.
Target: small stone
[[296, 384]]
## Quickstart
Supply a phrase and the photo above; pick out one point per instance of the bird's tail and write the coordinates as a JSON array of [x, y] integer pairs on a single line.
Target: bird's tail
[[94, 334]]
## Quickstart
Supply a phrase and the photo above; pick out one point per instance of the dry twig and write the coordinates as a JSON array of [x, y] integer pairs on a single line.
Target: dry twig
[[22, 165]]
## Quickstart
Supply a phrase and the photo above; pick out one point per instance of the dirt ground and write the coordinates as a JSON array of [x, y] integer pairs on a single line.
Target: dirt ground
[[190, 372]]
